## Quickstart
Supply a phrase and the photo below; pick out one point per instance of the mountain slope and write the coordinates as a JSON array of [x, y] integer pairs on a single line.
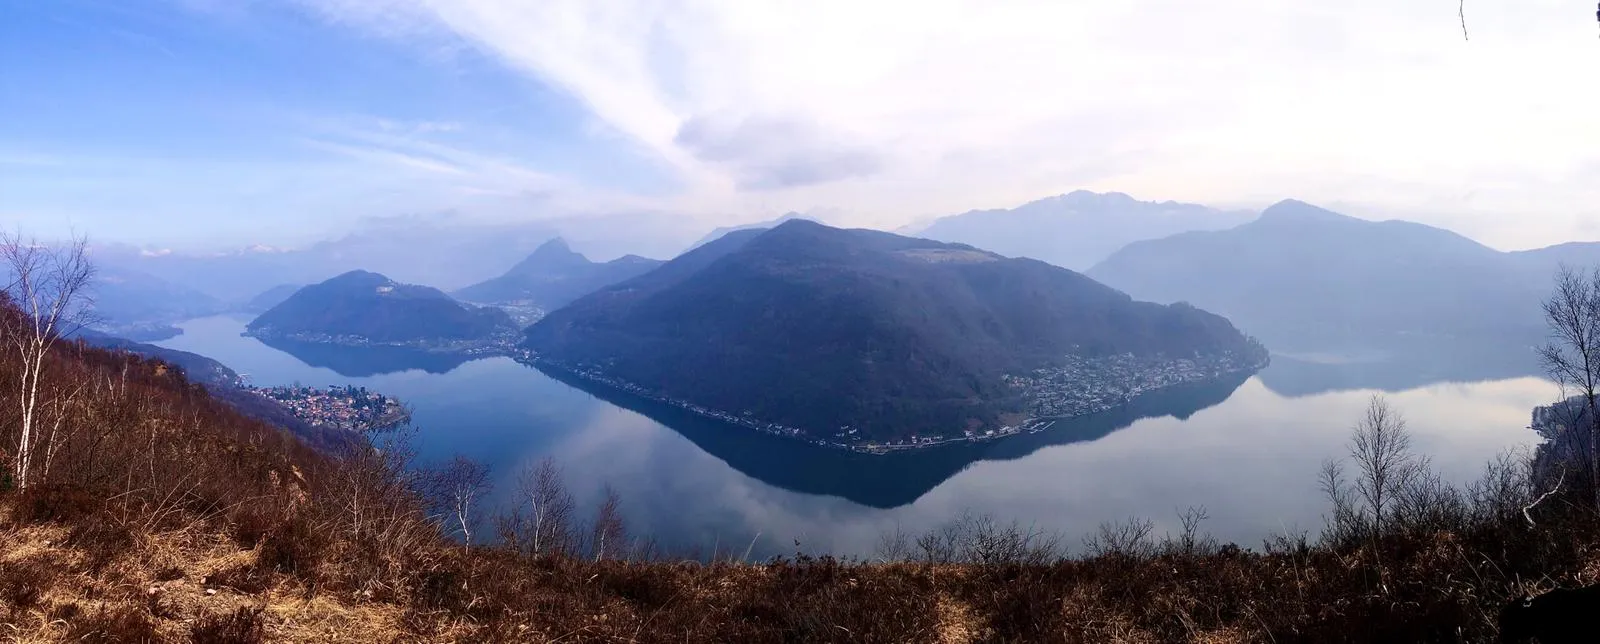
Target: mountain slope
[[553, 276], [1307, 279], [817, 328], [1076, 230], [361, 307], [270, 298]]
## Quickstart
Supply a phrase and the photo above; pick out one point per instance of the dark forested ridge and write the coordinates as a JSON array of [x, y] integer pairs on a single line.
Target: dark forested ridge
[[820, 328], [362, 307], [555, 275]]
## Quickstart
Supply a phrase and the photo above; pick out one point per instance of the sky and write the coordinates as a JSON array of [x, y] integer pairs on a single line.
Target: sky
[[233, 122]]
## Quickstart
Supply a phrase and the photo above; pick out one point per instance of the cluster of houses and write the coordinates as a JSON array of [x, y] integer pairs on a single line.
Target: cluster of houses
[[1080, 385], [339, 407]]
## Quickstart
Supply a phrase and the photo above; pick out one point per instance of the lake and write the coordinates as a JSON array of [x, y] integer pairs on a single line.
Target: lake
[[1247, 449]]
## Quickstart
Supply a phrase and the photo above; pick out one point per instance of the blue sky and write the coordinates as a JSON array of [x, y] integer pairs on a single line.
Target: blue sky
[[188, 123], [165, 123]]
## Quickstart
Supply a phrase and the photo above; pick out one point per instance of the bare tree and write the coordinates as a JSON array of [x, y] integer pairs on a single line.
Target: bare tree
[[1572, 358], [1346, 523], [1381, 449], [541, 520], [610, 535], [456, 488], [49, 288]]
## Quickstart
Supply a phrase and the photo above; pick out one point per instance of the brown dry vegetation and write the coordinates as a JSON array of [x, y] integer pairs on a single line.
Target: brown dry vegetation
[[166, 516]]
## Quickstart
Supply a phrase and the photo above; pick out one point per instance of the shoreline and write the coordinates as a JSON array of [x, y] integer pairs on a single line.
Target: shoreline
[[1032, 425], [477, 348]]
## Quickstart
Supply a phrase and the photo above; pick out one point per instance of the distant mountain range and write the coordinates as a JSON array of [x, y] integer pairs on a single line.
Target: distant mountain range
[[1305, 279], [553, 276], [720, 232], [444, 251], [362, 308], [1077, 229], [425, 251], [822, 331]]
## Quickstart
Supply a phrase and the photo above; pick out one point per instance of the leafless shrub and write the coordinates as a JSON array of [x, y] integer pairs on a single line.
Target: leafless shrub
[[1428, 504], [1503, 489], [1127, 539], [1191, 542], [894, 545], [981, 539]]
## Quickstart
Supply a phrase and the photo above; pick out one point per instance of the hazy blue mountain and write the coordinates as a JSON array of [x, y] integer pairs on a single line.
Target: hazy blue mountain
[[760, 225], [818, 328], [428, 251], [1545, 261], [145, 307], [362, 308], [1305, 279], [1078, 229], [270, 298], [555, 275]]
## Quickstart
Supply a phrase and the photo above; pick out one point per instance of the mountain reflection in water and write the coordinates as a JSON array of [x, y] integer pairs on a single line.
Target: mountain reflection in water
[[897, 478], [1246, 449]]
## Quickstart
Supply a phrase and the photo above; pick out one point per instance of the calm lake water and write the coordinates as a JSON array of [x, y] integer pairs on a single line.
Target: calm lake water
[[1247, 450]]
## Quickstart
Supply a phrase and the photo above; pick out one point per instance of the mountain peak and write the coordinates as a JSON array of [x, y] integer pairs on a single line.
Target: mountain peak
[[1296, 210], [360, 277], [1091, 198], [557, 246], [551, 255]]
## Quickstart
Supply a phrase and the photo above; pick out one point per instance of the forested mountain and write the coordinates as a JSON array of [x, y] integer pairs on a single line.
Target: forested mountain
[[1076, 230], [1303, 278], [818, 328], [367, 308], [555, 275]]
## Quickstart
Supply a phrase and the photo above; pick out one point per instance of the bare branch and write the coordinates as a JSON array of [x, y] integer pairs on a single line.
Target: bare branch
[[1557, 488]]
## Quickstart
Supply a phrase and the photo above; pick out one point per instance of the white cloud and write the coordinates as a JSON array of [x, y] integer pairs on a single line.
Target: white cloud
[[936, 106]]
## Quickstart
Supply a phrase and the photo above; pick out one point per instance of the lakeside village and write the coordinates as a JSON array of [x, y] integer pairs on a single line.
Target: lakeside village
[[1079, 386], [348, 408], [498, 345]]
